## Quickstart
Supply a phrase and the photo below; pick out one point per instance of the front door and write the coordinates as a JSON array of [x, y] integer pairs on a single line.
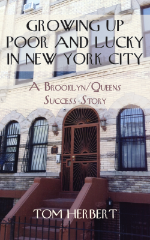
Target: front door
[[80, 151]]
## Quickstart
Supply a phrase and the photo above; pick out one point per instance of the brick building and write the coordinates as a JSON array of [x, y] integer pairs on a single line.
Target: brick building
[[82, 120]]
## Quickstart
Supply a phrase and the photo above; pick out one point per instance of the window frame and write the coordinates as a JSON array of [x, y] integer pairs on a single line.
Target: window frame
[[91, 45], [32, 145], [60, 54], [19, 80], [25, 2], [143, 32], [3, 149], [120, 160]]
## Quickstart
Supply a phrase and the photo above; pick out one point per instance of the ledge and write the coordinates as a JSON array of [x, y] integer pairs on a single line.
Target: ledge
[[127, 11], [46, 174], [57, 2], [56, 175], [124, 173], [11, 193], [24, 15], [104, 70]]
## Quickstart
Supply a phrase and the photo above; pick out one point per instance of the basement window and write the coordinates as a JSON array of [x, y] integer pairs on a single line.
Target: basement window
[[6, 204], [134, 221], [146, 30]]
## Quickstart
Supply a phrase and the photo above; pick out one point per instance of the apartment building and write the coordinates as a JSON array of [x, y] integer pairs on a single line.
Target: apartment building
[[69, 122]]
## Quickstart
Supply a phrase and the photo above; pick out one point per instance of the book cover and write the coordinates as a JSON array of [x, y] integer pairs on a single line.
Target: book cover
[[74, 119]]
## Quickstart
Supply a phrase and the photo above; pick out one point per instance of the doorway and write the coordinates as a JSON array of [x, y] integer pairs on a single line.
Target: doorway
[[80, 148]]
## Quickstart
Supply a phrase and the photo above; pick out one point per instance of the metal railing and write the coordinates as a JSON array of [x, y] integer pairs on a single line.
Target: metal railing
[[54, 229]]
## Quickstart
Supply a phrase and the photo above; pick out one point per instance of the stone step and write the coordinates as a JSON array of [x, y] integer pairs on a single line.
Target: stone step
[[42, 232], [59, 203], [68, 195], [47, 222], [48, 228]]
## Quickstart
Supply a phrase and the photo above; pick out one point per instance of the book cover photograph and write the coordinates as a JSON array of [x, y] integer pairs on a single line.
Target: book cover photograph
[[74, 120]]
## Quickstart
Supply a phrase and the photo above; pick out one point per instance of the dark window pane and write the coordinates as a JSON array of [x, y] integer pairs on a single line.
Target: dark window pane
[[25, 71], [134, 221], [7, 161], [24, 75], [104, 56], [8, 166], [62, 67], [133, 153], [146, 11]]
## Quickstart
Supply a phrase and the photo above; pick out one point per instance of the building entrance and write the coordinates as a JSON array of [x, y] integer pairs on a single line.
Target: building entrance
[[80, 148]]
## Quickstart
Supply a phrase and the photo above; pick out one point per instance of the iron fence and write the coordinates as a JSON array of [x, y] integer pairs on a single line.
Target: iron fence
[[54, 229]]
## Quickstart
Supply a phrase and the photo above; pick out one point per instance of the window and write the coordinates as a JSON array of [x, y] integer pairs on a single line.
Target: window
[[134, 221], [6, 204], [132, 142], [9, 148], [61, 66], [25, 71], [101, 46], [36, 150], [36, 2], [146, 30], [130, 222]]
